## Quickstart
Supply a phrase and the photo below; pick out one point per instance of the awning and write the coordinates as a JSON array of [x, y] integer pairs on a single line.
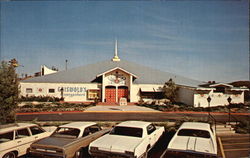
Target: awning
[[94, 89], [150, 89]]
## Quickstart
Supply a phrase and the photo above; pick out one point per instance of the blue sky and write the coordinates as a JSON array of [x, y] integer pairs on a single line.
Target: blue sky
[[203, 40]]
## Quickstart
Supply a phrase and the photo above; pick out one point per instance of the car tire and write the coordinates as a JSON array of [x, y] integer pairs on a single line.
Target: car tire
[[10, 155]]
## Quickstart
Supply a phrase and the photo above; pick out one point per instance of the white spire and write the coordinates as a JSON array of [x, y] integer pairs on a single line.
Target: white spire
[[116, 58]]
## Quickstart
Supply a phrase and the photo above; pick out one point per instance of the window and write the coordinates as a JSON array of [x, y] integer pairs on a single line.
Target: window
[[194, 133], [86, 132], [22, 133], [150, 129], [220, 90], [127, 131], [5, 137], [66, 132], [51, 90], [93, 94], [28, 90], [94, 128], [36, 130], [151, 95]]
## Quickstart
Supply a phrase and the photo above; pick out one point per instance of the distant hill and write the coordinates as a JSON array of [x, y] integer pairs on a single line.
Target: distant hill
[[241, 84]]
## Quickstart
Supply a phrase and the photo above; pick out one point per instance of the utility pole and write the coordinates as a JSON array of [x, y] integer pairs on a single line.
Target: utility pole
[[66, 66]]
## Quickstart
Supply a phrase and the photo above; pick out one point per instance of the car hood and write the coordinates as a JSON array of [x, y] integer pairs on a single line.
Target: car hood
[[52, 142], [116, 143], [192, 144]]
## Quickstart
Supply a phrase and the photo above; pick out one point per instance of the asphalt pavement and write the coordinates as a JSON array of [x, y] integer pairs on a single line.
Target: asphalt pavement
[[129, 108], [123, 116]]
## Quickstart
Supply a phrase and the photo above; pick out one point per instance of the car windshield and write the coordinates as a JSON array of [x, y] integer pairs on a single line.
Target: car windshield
[[127, 131], [194, 133], [66, 132]]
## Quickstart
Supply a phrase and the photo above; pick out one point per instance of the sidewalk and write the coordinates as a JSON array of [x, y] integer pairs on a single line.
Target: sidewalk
[[130, 108]]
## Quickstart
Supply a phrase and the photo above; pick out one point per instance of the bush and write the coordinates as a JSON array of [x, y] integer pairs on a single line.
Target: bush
[[243, 127], [29, 107], [39, 98]]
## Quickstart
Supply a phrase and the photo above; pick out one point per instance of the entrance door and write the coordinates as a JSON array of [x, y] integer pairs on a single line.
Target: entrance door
[[110, 94], [122, 92]]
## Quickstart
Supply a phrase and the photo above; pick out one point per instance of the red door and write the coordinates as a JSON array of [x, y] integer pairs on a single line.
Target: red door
[[122, 92], [110, 94]]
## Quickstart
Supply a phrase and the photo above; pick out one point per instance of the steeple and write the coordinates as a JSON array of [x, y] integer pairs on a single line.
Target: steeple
[[116, 58]]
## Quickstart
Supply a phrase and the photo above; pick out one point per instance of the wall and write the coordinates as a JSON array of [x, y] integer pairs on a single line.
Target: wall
[[47, 70], [216, 99], [135, 91], [185, 95], [72, 91], [109, 79]]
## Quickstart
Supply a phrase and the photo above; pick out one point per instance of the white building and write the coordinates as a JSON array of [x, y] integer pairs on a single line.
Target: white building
[[114, 79]]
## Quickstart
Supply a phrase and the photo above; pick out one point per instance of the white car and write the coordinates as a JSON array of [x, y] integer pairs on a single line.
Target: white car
[[193, 139], [132, 139], [15, 139]]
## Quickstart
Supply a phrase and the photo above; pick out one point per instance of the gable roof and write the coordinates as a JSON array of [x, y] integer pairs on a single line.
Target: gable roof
[[88, 73], [116, 69], [220, 84]]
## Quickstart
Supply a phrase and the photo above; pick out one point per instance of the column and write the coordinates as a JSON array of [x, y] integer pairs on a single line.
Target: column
[[103, 88], [130, 88], [116, 94]]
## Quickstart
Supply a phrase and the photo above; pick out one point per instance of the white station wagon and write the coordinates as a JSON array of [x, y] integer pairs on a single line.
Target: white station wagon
[[193, 139], [15, 139]]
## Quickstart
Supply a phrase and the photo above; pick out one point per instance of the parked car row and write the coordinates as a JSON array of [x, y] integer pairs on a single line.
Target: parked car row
[[131, 139]]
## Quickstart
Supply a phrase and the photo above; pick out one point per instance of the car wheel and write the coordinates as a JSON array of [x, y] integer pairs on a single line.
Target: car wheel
[[10, 155]]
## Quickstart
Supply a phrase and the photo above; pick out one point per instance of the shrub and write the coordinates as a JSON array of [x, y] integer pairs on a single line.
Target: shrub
[[39, 98], [243, 127], [29, 105]]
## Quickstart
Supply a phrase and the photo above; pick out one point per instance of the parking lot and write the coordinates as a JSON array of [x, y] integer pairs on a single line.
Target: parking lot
[[236, 145], [155, 152]]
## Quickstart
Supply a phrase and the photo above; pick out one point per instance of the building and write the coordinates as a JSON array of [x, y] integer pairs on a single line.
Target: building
[[114, 79]]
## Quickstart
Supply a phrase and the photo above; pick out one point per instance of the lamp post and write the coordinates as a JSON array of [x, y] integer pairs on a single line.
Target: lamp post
[[209, 100], [229, 99], [61, 94]]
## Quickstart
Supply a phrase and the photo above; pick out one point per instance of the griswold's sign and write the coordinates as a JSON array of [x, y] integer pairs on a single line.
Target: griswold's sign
[[72, 91]]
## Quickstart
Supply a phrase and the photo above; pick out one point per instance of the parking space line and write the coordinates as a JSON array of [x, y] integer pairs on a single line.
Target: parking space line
[[224, 139], [221, 148], [236, 143], [236, 149]]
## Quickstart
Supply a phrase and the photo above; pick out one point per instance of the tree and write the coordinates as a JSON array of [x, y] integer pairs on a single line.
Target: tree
[[9, 92], [170, 90]]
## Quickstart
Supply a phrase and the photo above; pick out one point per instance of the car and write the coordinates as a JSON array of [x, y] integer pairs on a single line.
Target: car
[[68, 140], [15, 139], [131, 139], [192, 139]]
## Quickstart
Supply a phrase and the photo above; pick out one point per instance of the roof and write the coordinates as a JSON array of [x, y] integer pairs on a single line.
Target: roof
[[11, 127], [195, 125], [88, 73], [136, 124], [220, 84], [80, 125]]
